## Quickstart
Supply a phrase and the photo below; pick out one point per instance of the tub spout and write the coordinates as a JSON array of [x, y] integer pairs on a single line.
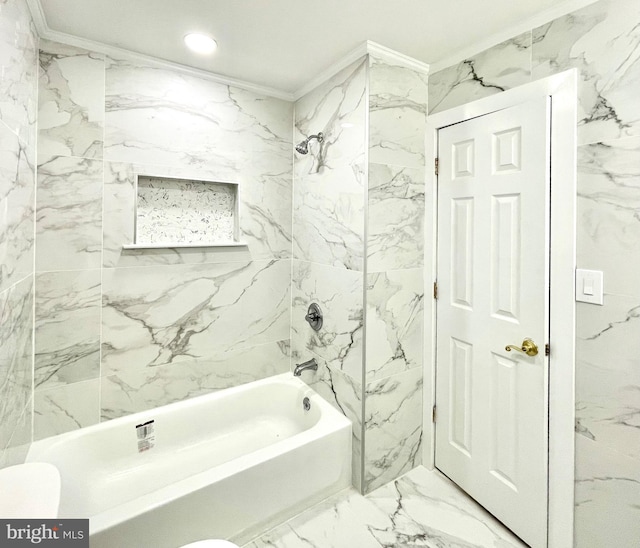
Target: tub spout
[[300, 367]]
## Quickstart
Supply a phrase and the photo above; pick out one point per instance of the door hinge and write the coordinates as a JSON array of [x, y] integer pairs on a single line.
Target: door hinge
[[435, 290], [436, 162], [547, 350], [433, 414]]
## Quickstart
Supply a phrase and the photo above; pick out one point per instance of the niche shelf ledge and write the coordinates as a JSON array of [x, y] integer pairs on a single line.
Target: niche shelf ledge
[[172, 245]]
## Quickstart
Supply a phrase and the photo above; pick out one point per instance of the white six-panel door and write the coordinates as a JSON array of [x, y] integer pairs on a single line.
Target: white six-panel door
[[493, 291]]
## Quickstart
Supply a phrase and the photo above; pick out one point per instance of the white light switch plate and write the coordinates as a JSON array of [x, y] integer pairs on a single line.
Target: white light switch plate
[[590, 286]]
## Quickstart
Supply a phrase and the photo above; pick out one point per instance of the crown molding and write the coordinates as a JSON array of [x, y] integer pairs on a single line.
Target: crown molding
[[397, 58], [47, 33], [546, 16], [331, 70], [366, 48], [37, 14]]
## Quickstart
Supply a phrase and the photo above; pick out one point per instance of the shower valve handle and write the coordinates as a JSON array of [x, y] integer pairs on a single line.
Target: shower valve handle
[[314, 316]]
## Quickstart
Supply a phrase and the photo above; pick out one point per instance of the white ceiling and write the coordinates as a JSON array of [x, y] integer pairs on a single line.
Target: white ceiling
[[284, 44]]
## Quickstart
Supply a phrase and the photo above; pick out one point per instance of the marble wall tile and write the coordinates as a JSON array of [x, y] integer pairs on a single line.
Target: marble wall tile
[[392, 427], [157, 315], [328, 217], [606, 496], [602, 41], [16, 355], [608, 202], [67, 336], [395, 236], [69, 214], [265, 216], [139, 389], [19, 69], [339, 293], [345, 394], [608, 374], [65, 408], [394, 322], [16, 450], [337, 108], [70, 102], [397, 114], [161, 117], [504, 66], [17, 190]]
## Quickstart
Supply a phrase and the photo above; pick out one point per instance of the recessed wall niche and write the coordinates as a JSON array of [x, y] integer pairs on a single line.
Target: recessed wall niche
[[174, 212]]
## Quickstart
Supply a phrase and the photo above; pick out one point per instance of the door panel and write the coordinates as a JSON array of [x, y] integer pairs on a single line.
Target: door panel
[[493, 234]]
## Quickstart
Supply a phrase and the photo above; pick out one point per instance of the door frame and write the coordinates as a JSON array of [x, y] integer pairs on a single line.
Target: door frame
[[562, 88]]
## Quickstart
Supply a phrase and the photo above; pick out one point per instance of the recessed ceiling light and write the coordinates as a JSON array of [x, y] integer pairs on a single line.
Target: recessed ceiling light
[[200, 43], [347, 125]]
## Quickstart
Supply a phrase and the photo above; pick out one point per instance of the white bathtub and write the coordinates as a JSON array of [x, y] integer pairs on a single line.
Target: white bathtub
[[224, 465]]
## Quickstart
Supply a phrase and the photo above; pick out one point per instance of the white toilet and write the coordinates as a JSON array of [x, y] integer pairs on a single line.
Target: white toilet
[[211, 543]]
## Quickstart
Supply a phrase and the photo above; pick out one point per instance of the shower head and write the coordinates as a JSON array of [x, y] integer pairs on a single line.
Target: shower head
[[303, 147]]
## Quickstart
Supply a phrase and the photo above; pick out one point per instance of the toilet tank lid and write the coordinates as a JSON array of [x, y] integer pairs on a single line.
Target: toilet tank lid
[[30, 490]]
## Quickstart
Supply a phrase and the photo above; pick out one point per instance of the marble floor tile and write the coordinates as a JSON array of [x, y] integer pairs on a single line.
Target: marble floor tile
[[329, 524], [423, 508]]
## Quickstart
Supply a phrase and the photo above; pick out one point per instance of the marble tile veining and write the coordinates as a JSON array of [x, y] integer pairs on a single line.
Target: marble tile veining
[[69, 214], [392, 427], [422, 508], [265, 216], [608, 374], [606, 497], [16, 358], [608, 227], [67, 336], [157, 315], [330, 524], [397, 114], [504, 66], [338, 292], [19, 70], [162, 117], [394, 322], [602, 41], [337, 109], [139, 389], [328, 217], [17, 190], [65, 408], [329, 189], [17, 448], [395, 236], [345, 394], [70, 102]]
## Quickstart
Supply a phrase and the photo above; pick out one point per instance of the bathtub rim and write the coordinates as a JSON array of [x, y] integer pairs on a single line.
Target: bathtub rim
[[329, 421]]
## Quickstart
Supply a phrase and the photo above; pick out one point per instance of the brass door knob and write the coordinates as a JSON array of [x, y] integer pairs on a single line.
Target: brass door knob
[[528, 347]]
